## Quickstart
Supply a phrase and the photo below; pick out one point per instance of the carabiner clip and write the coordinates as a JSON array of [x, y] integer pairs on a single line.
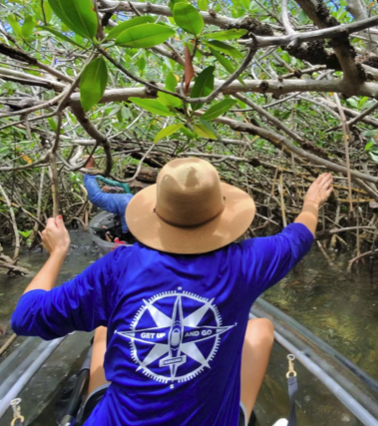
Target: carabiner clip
[[17, 417], [291, 372]]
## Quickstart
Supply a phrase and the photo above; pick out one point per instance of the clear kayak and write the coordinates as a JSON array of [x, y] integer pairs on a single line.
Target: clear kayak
[[103, 219]]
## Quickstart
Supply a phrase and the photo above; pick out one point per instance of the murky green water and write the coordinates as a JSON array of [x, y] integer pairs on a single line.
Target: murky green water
[[337, 306]]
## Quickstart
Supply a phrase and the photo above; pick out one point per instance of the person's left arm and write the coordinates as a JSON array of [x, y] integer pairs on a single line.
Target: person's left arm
[[113, 203], [56, 241]]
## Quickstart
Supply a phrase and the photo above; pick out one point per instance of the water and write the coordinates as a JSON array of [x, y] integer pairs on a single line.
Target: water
[[81, 255], [337, 306]]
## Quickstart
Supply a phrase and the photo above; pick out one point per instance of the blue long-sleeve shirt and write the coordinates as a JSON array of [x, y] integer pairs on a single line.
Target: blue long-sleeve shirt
[[113, 203], [176, 325]]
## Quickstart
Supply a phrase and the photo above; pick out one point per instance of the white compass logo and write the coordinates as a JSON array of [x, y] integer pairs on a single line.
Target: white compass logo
[[175, 335]]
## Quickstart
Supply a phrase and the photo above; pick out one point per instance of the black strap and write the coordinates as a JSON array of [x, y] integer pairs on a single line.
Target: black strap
[[292, 389]]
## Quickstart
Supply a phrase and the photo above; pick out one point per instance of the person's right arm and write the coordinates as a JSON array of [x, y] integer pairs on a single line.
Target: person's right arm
[[315, 197], [265, 261]]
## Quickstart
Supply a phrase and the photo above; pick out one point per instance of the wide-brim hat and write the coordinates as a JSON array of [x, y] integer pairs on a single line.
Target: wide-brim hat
[[189, 210]]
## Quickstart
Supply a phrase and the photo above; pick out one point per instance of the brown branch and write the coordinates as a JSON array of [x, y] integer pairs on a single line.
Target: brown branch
[[14, 224], [346, 137], [318, 12], [21, 56], [279, 140], [102, 140]]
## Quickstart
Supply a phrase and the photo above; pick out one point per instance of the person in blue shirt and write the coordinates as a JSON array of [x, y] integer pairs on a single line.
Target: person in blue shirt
[[113, 203], [180, 349]]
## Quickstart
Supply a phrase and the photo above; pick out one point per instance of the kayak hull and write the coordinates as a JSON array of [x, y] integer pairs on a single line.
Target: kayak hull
[[102, 219]]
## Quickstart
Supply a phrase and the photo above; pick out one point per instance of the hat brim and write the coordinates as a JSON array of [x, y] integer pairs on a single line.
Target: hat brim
[[151, 230]]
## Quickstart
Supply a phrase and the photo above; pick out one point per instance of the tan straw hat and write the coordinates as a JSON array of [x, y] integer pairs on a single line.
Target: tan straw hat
[[189, 210]]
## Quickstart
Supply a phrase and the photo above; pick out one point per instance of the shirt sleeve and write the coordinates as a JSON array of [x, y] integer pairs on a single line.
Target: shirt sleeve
[[265, 261], [113, 203], [84, 303]]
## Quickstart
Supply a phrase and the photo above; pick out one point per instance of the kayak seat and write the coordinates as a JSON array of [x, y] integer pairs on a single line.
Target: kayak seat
[[90, 404], [252, 420]]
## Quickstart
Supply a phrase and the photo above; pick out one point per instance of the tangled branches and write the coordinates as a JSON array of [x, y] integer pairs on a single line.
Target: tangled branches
[[279, 94]]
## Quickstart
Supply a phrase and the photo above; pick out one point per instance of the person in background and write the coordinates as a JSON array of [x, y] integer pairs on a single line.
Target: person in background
[[113, 203], [180, 348]]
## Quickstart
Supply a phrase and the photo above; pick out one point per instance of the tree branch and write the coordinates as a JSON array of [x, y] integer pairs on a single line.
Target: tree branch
[[102, 140]]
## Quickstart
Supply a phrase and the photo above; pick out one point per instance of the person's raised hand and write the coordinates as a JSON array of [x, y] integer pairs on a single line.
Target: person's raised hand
[[91, 162], [320, 190], [55, 237]]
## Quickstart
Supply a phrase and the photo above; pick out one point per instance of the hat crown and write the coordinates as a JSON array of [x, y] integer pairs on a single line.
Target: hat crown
[[189, 192]]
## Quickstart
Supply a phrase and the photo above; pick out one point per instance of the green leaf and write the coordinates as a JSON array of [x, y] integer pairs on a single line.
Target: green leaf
[[218, 109], [188, 133], [203, 5], [79, 39], [203, 131], [226, 63], [25, 234], [153, 106], [286, 57], [367, 104], [188, 18], [203, 85], [28, 26], [226, 35], [42, 15], [171, 82], [209, 127], [373, 156], [225, 48], [369, 145], [48, 11], [242, 105], [165, 98], [139, 20], [93, 83], [79, 16], [302, 17], [59, 35], [141, 63], [353, 102], [172, 4], [53, 124], [144, 36], [169, 130], [169, 100], [245, 3], [15, 26]]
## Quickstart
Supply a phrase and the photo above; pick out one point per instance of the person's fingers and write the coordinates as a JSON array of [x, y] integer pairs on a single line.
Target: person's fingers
[[327, 181], [327, 178], [51, 223], [329, 191], [319, 180], [324, 177], [59, 222]]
